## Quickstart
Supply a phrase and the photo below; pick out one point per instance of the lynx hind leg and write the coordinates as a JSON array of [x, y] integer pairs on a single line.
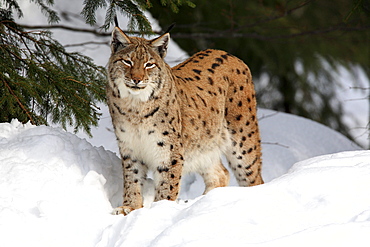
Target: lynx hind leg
[[247, 169], [215, 176], [244, 152]]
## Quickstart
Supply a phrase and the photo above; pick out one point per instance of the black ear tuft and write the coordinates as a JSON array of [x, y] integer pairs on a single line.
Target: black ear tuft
[[161, 43], [116, 21], [170, 27]]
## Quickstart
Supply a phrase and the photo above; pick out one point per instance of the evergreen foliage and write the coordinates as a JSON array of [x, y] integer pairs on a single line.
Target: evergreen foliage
[[298, 44], [41, 82], [133, 9]]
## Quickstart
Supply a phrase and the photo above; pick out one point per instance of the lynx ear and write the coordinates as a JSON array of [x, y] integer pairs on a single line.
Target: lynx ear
[[119, 40], [161, 44]]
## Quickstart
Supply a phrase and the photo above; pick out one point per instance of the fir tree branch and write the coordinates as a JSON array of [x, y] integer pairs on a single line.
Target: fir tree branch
[[88, 43], [20, 103], [83, 30], [74, 29], [230, 33], [275, 17], [46, 81]]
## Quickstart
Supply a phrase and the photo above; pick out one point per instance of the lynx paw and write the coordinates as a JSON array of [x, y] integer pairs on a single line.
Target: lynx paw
[[125, 210]]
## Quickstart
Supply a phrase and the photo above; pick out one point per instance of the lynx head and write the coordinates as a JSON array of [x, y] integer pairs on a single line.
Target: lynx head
[[136, 64]]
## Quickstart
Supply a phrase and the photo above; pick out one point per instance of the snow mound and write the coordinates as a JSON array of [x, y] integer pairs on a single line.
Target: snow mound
[[49, 180], [320, 202], [287, 139], [58, 190]]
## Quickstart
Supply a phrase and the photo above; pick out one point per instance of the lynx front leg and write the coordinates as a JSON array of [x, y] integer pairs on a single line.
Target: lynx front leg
[[167, 180], [134, 172]]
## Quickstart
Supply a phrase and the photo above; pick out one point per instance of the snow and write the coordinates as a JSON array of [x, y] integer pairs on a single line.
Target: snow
[[57, 189], [287, 139], [49, 180]]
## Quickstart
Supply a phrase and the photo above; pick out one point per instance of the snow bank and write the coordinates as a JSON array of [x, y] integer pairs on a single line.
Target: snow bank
[[287, 139], [58, 190], [52, 185], [320, 202]]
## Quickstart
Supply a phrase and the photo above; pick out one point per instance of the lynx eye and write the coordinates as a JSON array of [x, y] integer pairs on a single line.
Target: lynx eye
[[127, 62], [149, 65]]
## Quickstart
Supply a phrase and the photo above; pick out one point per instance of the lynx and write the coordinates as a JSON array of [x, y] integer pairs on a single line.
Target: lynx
[[177, 120]]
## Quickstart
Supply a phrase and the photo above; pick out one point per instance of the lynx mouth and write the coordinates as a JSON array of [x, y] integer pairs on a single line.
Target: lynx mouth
[[136, 87]]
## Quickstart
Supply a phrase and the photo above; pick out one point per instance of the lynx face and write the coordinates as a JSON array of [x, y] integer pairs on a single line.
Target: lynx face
[[136, 65]]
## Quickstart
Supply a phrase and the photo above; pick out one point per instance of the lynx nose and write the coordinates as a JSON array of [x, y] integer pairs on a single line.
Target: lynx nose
[[136, 79]]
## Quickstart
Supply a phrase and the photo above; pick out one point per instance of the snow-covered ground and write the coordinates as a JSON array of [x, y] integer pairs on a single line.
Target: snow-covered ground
[[58, 190]]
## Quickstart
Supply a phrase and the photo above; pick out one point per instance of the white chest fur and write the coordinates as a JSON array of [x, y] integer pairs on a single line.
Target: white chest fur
[[141, 143]]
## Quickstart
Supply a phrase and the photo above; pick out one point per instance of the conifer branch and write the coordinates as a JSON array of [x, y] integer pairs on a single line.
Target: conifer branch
[[20, 103], [45, 80], [229, 33]]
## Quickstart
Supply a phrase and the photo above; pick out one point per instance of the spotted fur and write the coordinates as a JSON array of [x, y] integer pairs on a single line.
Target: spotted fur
[[178, 120]]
